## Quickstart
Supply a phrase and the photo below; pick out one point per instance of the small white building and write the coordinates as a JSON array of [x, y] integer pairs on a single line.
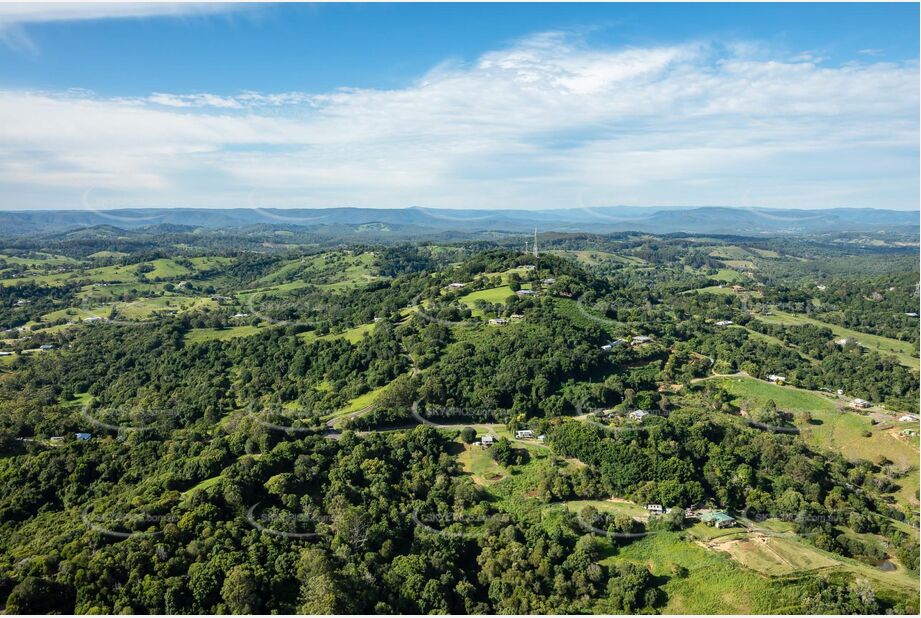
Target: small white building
[[526, 293], [610, 346], [542, 438], [638, 415], [639, 339], [524, 433], [655, 509], [776, 379], [911, 314], [46, 347], [498, 322], [724, 323], [860, 403], [5, 353], [456, 285], [487, 441], [93, 318]]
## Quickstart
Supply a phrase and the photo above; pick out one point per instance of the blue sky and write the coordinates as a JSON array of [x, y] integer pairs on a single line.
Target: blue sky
[[519, 105]]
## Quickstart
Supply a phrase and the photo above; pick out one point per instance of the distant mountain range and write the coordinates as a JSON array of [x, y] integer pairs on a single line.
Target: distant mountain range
[[427, 221]]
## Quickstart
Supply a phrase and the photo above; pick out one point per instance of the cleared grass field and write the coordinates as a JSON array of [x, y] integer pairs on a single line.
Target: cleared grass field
[[617, 507], [107, 254], [145, 307], [595, 258], [787, 398], [214, 480], [201, 335], [731, 252], [902, 350], [747, 264], [363, 401], [788, 556], [490, 295], [478, 463], [356, 333], [841, 431], [330, 271], [744, 575], [728, 275], [40, 259], [714, 583], [352, 335], [715, 289], [164, 268]]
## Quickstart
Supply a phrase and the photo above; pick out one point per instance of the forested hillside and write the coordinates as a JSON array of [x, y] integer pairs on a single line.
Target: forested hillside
[[620, 424]]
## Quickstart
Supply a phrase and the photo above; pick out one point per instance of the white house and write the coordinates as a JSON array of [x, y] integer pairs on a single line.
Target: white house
[[524, 433], [860, 403], [638, 415], [456, 285], [724, 323], [908, 418], [655, 509], [776, 379], [5, 353], [487, 441], [498, 321], [638, 339], [526, 293]]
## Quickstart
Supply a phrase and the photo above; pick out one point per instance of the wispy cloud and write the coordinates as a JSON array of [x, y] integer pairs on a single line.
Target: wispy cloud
[[40, 12], [16, 17], [546, 122]]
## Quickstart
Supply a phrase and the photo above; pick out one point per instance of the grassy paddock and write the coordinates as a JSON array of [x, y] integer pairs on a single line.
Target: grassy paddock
[[902, 350]]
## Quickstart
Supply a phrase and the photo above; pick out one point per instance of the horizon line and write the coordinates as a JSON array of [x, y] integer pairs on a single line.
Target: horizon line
[[424, 208]]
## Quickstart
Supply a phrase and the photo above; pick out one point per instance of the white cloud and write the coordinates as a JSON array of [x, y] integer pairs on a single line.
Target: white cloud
[[14, 16], [547, 122], [40, 12]]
